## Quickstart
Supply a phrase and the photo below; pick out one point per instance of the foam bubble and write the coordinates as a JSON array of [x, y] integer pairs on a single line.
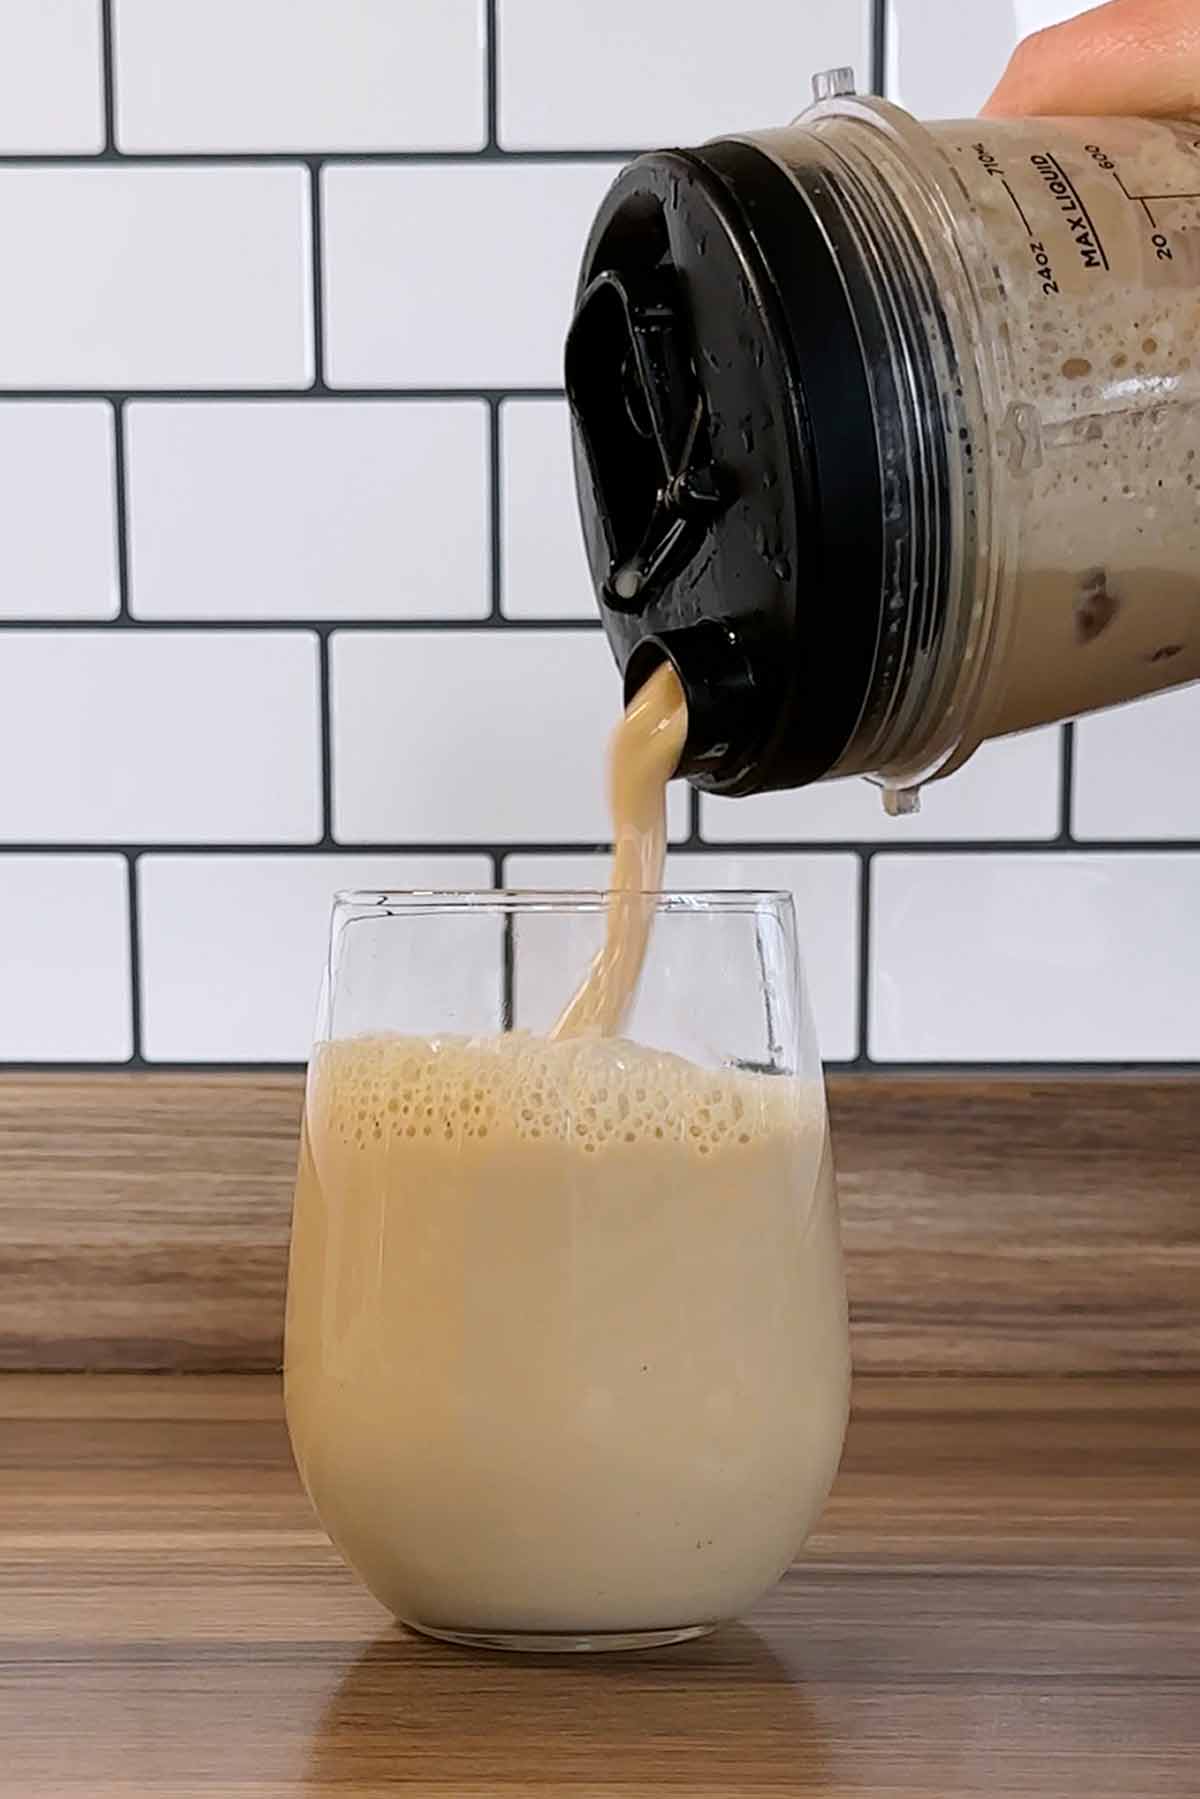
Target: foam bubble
[[594, 1095]]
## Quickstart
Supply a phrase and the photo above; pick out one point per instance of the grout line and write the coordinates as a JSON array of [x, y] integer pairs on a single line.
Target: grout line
[[495, 500], [509, 959], [135, 959], [317, 268], [120, 522], [1067, 784], [693, 841], [487, 622], [252, 159], [491, 77], [507, 1003], [865, 898], [325, 700], [879, 46], [218, 396], [1018, 1070], [1157, 846], [108, 76], [1047, 1071]]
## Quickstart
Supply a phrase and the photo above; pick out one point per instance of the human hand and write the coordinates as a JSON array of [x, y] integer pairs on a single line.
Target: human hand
[[1130, 56]]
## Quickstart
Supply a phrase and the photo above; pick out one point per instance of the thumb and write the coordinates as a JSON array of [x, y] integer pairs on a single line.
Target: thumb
[[1130, 56]]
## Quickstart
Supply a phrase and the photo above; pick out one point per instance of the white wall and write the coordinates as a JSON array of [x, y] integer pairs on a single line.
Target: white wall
[[283, 459]]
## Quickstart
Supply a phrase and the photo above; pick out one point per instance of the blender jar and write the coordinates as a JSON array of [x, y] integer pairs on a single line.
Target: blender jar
[[886, 433]]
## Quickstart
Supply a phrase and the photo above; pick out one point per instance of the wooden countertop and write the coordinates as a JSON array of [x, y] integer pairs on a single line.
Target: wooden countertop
[[1002, 1599], [991, 1226]]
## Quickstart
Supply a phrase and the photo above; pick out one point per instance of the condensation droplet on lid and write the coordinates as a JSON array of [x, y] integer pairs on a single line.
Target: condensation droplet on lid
[[901, 802]]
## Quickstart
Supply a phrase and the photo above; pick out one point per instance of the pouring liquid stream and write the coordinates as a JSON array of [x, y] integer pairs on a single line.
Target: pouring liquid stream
[[644, 753]]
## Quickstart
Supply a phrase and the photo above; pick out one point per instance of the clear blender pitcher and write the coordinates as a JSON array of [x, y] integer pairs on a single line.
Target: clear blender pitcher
[[887, 433]]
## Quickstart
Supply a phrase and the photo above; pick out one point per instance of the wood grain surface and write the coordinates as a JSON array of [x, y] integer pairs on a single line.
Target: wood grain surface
[[1001, 1602], [991, 1225]]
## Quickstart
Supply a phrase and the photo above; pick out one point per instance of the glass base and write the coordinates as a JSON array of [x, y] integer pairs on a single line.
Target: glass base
[[561, 1642]]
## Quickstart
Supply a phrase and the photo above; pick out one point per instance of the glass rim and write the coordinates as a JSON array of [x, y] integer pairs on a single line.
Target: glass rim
[[392, 900]]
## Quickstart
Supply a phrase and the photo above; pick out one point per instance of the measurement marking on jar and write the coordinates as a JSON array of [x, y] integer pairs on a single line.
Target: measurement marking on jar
[[1043, 270], [1142, 200], [1162, 247], [1024, 219], [1160, 240], [1059, 185], [991, 165]]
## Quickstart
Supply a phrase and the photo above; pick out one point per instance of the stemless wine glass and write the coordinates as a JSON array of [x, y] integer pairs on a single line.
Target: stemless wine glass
[[567, 1357]]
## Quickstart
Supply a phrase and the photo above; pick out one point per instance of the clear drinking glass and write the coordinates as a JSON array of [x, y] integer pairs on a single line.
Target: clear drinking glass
[[567, 1358]]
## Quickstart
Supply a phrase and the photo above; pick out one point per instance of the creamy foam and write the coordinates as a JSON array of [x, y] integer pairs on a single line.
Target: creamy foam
[[375, 1094]]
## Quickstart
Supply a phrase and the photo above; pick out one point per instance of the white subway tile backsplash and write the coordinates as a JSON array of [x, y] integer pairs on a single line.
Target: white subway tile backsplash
[[299, 75], [826, 892], [481, 736], [577, 75], [152, 277], [233, 947], [64, 959], [1005, 958], [58, 555], [584, 872], [544, 570], [309, 509], [134, 736], [51, 89], [1009, 789], [1136, 769], [1039, 15], [453, 275], [939, 71], [203, 475]]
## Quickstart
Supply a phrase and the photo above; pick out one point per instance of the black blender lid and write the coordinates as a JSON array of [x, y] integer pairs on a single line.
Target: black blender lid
[[726, 460]]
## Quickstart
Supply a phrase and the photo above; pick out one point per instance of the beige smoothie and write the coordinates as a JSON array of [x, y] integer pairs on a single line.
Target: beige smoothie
[[567, 1345]]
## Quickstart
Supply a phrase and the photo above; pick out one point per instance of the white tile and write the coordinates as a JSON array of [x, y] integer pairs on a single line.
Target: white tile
[[454, 275], [57, 510], [326, 509], [1136, 769], [233, 947], [584, 871], [576, 75], [483, 737], [64, 959], [134, 736], [1040, 15], [153, 277], [299, 75], [51, 91], [938, 70], [1009, 789], [545, 572], [825, 889], [1010, 958]]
